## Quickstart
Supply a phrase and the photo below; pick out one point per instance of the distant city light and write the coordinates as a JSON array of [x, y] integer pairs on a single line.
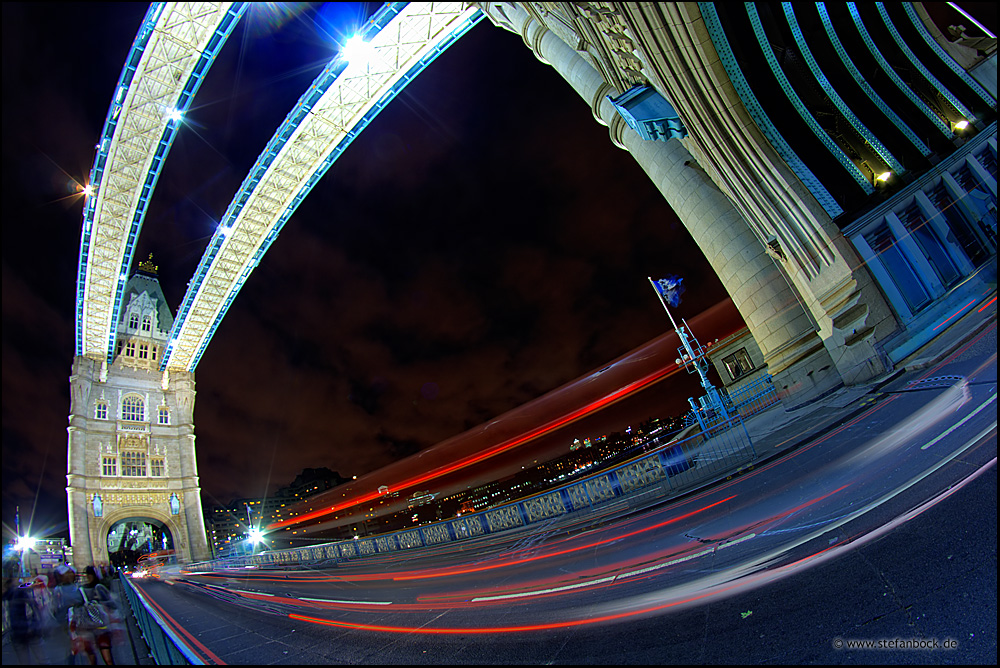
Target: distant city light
[[358, 51], [25, 543], [87, 190], [256, 535]]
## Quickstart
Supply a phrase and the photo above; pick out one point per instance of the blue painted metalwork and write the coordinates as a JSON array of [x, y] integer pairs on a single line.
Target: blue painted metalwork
[[793, 97], [759, 116], [924, 72], [103, 147], [838, 102], [166, 646], [891, 73], [945, 58], [753, 397], [194, 82], [649, 114], [316, 90], [845, 58], [674, 466], [191, 87]]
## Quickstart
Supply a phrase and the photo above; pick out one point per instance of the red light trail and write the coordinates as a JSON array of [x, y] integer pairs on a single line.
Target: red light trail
[[500, 448]]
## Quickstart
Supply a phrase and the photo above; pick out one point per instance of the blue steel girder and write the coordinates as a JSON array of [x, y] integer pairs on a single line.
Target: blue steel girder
[[341, 101], [173, 50]]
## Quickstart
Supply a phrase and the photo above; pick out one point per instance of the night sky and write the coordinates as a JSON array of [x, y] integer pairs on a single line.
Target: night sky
[[480, 245]]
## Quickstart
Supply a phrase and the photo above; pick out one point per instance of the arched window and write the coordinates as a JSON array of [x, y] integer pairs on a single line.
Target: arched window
[[147, 324], [133, 409], [164, 415], [133, 321], [102, 410]]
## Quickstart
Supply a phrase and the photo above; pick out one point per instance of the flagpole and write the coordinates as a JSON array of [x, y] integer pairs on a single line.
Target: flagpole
[[695, 360]]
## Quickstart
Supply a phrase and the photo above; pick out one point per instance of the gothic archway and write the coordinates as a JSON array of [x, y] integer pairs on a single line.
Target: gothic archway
[[130, 538]]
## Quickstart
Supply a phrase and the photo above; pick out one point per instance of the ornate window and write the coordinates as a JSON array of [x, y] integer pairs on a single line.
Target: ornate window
[[130, 349], [101, 412], [133, 321], [164, 415], [133, 409], [133, 463], [156, 467], [152, 352], [147, 324], [143, 351], [109, 466]]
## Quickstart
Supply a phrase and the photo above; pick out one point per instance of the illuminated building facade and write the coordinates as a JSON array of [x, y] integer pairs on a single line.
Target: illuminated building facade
[[131, 452], [836, 163]]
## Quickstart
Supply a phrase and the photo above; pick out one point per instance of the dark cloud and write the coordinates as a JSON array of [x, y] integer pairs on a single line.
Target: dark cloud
[[481, 244]]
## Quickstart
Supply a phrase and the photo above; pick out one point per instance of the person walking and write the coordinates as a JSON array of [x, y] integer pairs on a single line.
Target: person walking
[[24, 617], [66, 597], [101, 633]]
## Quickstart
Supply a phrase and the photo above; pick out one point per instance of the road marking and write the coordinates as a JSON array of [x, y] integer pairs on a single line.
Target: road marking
[[545, 591], [330, 600], [960, 422], [620, 576]]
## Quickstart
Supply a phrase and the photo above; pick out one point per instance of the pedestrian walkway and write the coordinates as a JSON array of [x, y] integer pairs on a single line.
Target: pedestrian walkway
[[776, 430], [54, 648]]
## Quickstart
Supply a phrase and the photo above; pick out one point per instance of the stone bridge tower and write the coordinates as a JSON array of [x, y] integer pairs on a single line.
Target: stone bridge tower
[[131, 453]]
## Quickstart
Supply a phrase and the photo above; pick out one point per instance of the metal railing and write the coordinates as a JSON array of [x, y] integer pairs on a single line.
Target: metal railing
[[754, 397], [672, 467], [165, 646]]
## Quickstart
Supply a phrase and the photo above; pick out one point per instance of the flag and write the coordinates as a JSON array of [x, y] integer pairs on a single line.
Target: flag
[[670, 289]]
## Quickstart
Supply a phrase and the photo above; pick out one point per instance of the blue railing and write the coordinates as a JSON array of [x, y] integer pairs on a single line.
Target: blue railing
[[673, 466], [165, 646], [754, 397]]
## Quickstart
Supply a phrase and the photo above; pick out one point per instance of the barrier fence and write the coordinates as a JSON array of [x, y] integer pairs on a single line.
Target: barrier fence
[[673, 466], [165, 646], [754, 397]]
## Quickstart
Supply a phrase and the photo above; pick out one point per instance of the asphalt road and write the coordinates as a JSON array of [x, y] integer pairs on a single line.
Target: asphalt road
[[883, 528]]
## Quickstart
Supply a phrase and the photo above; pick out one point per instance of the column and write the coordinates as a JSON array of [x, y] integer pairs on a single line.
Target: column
[[795, 354]]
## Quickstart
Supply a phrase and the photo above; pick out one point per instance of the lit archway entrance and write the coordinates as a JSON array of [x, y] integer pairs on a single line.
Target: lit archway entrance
[[131, 538]]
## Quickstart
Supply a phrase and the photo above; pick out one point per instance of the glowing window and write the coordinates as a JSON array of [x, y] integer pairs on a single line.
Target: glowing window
[[133, 409], [133, 464]]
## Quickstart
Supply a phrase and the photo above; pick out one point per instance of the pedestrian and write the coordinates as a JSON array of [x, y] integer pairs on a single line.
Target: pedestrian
[[65, 598], [24, 619], [43, 604], [101, 633]]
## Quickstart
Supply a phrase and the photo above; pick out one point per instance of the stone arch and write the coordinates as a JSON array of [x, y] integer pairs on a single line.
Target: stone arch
[[101, 528]]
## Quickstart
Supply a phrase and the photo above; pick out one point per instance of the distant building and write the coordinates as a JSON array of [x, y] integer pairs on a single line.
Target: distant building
[[229, 526]]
